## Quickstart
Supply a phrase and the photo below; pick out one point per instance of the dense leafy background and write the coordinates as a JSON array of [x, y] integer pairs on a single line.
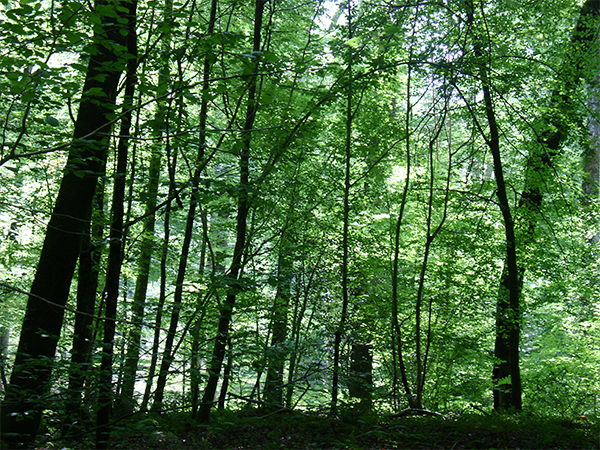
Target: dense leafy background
[[416, 110]]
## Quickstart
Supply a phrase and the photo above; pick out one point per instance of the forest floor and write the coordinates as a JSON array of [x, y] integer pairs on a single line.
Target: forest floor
[[314, 431]]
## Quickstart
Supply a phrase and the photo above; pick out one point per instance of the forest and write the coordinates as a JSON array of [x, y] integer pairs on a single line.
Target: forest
[[378, 215]]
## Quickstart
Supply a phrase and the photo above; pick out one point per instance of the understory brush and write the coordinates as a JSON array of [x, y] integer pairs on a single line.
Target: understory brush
[[304, 430]]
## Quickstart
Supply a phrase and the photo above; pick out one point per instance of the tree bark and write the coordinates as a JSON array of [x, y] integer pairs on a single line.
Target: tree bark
[[29, 384], [339, 332], [506, 373], [243, 208], [116, 237], [83, 340], [360, 384], [147, 243], [554, 130], [159, 306], [421, 354], [198, 321], [591, 158], [4, 339], [276, 354], [201, 162]]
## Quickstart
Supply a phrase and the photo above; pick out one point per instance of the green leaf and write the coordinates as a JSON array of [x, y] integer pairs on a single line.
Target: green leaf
[[354, 42], [52, 121]]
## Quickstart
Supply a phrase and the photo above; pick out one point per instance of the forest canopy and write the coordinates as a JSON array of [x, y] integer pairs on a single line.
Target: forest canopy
[[224, 205]]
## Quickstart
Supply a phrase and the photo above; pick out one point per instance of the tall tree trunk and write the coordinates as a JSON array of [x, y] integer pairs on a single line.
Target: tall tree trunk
[[195, 350], [83, 342], [396, 330], [508, 391], [345, 220], [243, 208], [591, 166], [276, 353], [148, 241], [29, 384], [226, 378], [115, 256], [4, 340], [421, 354], [591, 158], [159, 307], [296, 330], [538, 167], [201, 161]]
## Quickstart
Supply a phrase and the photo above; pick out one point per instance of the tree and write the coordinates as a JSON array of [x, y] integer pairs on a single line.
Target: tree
[[29, 384], [508, 315], [349, 113], [116, 236], [348, 208], [148, 238], [243, 208], [551, 135], [201, 160], [83, 341]]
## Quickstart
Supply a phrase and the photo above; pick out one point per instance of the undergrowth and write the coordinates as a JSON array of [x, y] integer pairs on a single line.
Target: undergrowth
[[296, 430]]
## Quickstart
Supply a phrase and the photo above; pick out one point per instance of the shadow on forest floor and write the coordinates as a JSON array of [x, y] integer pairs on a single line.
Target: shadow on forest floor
[[296, 430], [311, 431]]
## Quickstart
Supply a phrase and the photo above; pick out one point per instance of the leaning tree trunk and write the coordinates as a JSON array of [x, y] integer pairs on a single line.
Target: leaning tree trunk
[[508, 304], [201, 161], [30, 381], [243, 208]]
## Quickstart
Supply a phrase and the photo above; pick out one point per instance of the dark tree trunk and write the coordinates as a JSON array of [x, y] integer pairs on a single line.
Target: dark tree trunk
[[398, 357], [591, 158], [115, 257], [29, 384], [508, 313], [422, 351], [243, 208], [147, 243], [360, 383], [506, 373], [276, 353], [83, 341], [201, 161], [195, 350], [555, 128], [159, 307], [226, 377], [297, 320], [339, 332], [168, 352], [4, 339]]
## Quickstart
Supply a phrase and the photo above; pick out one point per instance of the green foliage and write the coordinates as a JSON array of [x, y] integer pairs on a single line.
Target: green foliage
[[294, 430], [416, 120]]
